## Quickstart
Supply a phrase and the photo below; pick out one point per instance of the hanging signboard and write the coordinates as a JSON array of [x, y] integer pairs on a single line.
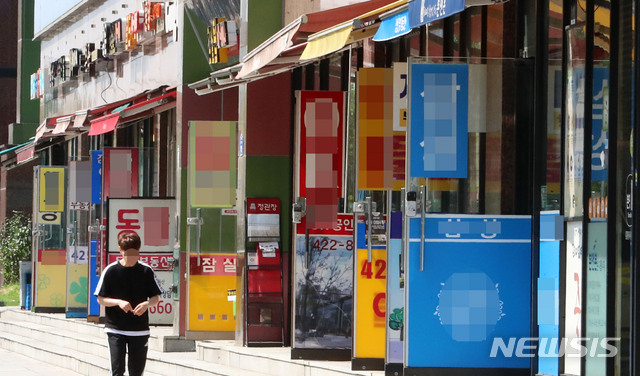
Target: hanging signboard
[[320, 136], [439, 113], [461, 299], [52, 192], [120, 172]]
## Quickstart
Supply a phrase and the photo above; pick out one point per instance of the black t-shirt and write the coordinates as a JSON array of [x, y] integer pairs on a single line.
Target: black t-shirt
[[134, 284]]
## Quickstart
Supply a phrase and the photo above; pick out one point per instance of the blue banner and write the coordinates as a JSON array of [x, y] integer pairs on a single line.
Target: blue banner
[[474, 290], [393, 27], [93, 308], [424, 11], [439, 116], [96, 176]]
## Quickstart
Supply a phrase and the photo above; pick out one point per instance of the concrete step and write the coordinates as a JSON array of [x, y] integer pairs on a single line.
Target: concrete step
[[71, 328], [88, 355], [81, 347], [273, 360]]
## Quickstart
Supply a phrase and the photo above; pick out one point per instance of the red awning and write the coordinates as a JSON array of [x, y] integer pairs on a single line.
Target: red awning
[[104, 124]]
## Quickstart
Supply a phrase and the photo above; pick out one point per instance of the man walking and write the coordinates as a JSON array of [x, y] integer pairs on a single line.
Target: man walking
[[127, 289]]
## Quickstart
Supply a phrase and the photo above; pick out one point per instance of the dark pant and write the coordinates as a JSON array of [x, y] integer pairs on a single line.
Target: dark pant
[[137, 353]]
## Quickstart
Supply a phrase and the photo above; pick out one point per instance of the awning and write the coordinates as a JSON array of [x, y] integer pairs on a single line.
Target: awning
[[26, 153], [79, 118], [337, 37], [281, 52], [270, 49], [132, 110], [45, 128], [394, 24], [104, 124], [5, 151], [61, 124]]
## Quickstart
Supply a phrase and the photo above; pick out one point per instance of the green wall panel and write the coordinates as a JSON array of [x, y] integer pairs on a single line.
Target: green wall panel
[[265, 19]]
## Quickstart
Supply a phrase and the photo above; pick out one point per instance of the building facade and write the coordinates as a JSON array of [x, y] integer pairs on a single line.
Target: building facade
[[394, 183]]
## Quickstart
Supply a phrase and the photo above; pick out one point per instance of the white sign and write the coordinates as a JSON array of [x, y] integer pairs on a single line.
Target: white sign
[[154, 220], [573, 298]]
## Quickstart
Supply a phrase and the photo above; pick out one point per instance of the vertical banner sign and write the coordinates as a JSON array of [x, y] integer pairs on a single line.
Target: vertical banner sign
[[375, 129], [209, 308], [395, 293], [551, 234], [461, 299], [79, 185], [321, 157], [439, 113], [573, 297], [93, 308], [596, 298], [96, 176], [212, 164], [154, 220], [422, 12], [574, 122], [370, 285], [52, 191], [400, 96], [120, 172], [599, 128]]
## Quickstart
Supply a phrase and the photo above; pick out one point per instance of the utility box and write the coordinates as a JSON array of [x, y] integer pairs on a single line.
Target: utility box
[[264, 299]]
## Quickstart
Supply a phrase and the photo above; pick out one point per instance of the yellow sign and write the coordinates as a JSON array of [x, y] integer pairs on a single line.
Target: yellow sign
[[370, 307], [51, 274], [217, 52], [209, 283], [52, 182]]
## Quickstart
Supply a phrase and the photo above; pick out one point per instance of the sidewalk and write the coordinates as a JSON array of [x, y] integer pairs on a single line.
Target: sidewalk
[[14, 364]]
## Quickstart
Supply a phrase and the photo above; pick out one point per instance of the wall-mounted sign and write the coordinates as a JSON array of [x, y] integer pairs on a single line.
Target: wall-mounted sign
[[58, 71], [153, 16], [218, 41]]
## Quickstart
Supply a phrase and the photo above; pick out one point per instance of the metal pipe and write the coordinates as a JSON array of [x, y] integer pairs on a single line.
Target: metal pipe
[[368, 229]]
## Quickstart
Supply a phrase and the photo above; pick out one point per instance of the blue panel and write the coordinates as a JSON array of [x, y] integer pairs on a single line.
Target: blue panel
[[393, 27], [548, 349], [94, 277], [424, 11], [439, 115], [96, 176], [551, 227], [396, 225], [361, 242], [548, 301], [466, 297]]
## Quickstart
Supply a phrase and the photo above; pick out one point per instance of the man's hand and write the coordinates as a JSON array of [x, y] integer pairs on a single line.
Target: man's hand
[[125, 306], [142, 307]]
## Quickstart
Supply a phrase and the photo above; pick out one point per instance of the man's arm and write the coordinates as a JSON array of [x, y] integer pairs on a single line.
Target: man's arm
[[112, 302], [142, 307]]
